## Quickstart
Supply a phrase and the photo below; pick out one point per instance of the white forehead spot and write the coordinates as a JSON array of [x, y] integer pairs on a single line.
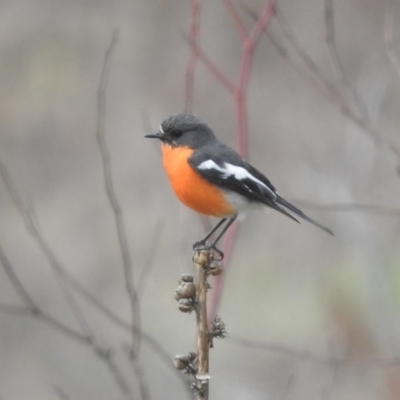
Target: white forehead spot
[[239, 173], [161, 129]]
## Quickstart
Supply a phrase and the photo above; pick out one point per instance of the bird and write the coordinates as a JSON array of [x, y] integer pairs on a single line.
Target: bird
[[213, 179]]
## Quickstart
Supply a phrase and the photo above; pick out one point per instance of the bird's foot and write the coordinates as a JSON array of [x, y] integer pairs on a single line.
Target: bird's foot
[[202, 245]]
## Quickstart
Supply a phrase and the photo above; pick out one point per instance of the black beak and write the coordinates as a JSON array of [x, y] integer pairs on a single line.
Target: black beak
[[157, 135]]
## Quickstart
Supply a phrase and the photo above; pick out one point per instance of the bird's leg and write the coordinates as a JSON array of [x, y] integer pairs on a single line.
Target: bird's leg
[[203, 241], [201, 245]]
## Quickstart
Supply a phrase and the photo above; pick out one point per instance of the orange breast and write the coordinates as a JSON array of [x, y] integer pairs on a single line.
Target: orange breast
[[191, 189]]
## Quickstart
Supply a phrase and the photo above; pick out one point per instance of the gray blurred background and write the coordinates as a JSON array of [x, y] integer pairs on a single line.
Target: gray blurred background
[[301, 308]]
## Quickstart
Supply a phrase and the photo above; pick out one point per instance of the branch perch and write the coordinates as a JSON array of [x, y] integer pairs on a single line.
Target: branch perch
[[202, 261]]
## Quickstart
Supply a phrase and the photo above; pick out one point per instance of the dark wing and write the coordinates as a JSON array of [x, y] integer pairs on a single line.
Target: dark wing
[[222, 166]]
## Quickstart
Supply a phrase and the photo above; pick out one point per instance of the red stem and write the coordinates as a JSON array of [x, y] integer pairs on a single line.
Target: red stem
[[248, 45], [238, 90], [218, 74], [230, 8]]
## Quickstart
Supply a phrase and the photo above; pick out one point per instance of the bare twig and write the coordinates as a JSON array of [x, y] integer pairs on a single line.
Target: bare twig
[[34, 231], [289, 386], [109, 186], [119, 220], [149, 260], [308, 355], [351, 108], [192, 61], [20, 289], [337, 66], [161, 353], [215, 71], [388, 36], [248, 45], [201, 261], [47, 319], [330, 40], [233, 14], [60, 392], [34, 310], [328, 387], [31, 306]]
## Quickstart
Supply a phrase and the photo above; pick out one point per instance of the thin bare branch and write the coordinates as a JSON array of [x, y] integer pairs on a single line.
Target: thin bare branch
[[192, 61], [74, 283], [351, 108], [14, 309], [163, 355], [308, 355], [31, 305], [120, 227], [219, 75], [20, 289], [116, 372], [151, 253], [39, 315], [237, 22], [289, 386], [328, 387], [201, 261], [112, 198], [60, 392], [388, 36], [330, 40], [248, 46], [38, 237], [337, 66]]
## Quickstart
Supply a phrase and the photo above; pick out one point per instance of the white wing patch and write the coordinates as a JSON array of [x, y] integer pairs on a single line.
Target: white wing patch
[[239, 173], [161, 129]]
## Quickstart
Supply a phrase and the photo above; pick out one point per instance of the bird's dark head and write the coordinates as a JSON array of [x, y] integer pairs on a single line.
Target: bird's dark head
[[184, 130]]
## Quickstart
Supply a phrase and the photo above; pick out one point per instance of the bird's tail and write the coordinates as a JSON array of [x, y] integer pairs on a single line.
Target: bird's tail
[[286, 206]]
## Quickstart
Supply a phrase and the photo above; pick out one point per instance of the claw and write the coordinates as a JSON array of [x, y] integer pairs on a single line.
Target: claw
[[199, 246]]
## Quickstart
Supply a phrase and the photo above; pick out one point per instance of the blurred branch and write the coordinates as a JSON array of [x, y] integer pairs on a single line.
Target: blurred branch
[[31, 308], [328, 387], [289, 387], [60, 392], [119, 220], [248, 46], [330, 40], [337, 66], [34, 231], [161, 353], [192, 61], [308, 355], [149, 260], [388, 36], [249, 43], [237, 22], [109, 187], [214, 70], [35, 311], [303, 63]]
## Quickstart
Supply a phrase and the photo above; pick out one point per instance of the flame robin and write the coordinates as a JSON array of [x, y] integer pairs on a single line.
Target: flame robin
[[212, 179]]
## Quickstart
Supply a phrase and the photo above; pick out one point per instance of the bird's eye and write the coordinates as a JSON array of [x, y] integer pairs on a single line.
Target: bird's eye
[[176, 133]]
